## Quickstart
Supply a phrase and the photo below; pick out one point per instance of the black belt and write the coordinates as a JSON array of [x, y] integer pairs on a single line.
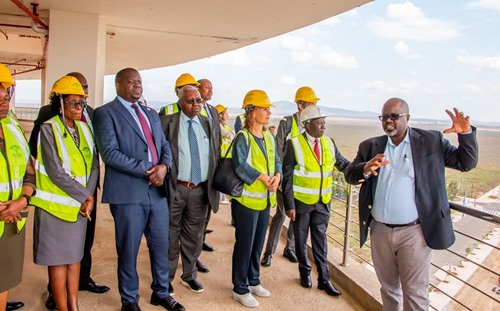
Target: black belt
[[190, 185], [413, 223]]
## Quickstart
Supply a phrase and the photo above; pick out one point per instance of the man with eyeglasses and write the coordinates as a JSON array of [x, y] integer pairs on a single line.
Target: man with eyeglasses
[[403, 199], [195, 153], [86, 282]]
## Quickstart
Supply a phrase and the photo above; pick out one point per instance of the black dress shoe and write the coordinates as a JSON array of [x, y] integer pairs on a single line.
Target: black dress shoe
[[50, 303], [131, 307], [207, 247], [171, 291], [194, 285], [266, 260], [14, 305], [208, 231], [168, 303], [95, 288], [305, 281], [290, 255], [201, 267], [329, 288]]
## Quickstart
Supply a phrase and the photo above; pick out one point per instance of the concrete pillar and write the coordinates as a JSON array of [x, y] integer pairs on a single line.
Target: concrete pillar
[[77, 42]]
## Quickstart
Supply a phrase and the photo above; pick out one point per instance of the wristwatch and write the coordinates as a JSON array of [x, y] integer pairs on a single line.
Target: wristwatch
[[28, 198]]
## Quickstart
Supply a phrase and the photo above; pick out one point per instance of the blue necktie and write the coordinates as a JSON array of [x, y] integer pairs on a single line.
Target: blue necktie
[[195, 155]]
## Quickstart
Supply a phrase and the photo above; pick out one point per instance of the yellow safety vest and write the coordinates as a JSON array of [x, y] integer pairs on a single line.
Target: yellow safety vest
[[76, 161], [226, 142], [255, 196], [294, 130], [174, 108], [312, 181], [13, 167]]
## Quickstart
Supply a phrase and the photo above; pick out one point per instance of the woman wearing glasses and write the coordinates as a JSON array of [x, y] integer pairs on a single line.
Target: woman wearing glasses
[[66, 170], [258, 164]]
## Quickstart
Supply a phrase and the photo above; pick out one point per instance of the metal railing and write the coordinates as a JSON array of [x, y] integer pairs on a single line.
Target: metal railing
[[465, 276], [26, 113]]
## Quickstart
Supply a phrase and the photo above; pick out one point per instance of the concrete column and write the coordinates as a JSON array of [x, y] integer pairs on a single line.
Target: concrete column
[[77, 42]]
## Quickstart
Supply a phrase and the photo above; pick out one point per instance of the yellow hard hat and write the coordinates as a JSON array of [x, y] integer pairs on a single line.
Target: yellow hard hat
[[67, 85], [220, 108], [306, 94], [257, 98], [185, 79], [5, 77]]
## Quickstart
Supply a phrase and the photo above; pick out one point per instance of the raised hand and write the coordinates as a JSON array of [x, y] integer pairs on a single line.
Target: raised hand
[[374, 164], [460, 123]]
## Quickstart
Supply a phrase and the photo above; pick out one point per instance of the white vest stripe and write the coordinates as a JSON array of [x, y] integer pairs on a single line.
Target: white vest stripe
[[68, 201]]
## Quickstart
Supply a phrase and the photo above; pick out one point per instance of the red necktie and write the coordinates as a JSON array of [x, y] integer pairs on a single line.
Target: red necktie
[[316, 150], [83, 119], [147, 133]]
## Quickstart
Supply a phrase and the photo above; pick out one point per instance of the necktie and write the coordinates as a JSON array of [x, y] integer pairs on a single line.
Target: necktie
[[316, 150], [195, 155], [147, 134], [83, 119]]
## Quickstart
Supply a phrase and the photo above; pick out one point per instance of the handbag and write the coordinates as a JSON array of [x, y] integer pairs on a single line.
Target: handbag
[[225, 179]]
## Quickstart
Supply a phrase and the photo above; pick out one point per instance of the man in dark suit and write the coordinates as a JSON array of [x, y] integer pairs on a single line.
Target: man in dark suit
[[308, 165], [86, 282], [137, 159], [195, 153], [403, 199]]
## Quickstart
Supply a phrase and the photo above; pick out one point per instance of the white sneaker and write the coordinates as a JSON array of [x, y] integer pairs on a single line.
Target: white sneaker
[[225, 202], [259, 291], [246, 299]]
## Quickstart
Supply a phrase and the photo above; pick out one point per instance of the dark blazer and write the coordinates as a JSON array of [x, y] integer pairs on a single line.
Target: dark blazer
[[46, 113], [289, 163], [124, 150], [431, 153], [170, 125]]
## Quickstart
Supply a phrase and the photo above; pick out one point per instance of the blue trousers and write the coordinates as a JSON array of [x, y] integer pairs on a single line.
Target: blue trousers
[[251, 227], [151, 218]]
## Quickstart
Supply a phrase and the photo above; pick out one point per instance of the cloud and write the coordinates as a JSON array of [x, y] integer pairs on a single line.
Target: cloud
[[332, 21], [473, 88], [484, 4], [480, 62], [296, 43], [232, 58], [335, 60], [288, 80], [407, 21], [402, 48], [393, 90], [302, 57]]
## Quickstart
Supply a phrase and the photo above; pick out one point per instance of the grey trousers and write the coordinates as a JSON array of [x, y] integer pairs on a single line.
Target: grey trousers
[[402, 260], [276, 226]]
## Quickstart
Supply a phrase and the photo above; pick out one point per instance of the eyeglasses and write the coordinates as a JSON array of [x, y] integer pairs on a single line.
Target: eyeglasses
[[192, 101], [73, 103], [392, 116]]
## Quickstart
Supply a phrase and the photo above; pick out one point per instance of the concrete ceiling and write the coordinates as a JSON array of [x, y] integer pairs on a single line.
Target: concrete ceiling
[[157, 33]]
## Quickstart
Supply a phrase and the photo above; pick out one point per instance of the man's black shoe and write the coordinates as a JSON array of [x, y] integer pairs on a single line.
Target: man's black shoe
[[208, 231], [50, 303], [329, 288], [14, 305], [290, 255], [194, 285], [207, 247], [201, 267], [305, 281], [171, 290], [266, 260], [95, 288], [131, 307], [168, 303]]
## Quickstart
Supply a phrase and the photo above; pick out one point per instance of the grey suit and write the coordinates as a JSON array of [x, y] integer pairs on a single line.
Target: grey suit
[[137, 207], [188, 207]]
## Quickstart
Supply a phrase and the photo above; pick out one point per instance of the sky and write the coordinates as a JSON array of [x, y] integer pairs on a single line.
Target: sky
[[436, 55]]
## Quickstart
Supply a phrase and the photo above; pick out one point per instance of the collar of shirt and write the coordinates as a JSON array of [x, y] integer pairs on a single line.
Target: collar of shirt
[[405, 140], [311, 139], [185, 118]]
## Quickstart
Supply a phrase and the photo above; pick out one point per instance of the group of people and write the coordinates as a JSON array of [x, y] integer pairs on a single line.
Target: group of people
[[167, 161]]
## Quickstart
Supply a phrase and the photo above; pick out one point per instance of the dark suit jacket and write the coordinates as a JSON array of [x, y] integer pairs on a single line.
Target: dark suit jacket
[[289, 163], [46, 113], [170, 125], [124, 150], [431, 153]]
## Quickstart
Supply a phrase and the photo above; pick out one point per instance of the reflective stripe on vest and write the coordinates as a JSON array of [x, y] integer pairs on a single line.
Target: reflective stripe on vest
[[17, 151], [294, 131], [255, 196], [76, 162], [226, 142], [312, 181]]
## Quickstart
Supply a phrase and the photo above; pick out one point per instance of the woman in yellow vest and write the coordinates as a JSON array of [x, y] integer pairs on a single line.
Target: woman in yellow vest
[[227, 136], [17, 184], [66, 170], [257, 163]]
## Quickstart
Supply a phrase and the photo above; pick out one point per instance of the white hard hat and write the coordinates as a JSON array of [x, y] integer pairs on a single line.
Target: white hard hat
[[310, 113]]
